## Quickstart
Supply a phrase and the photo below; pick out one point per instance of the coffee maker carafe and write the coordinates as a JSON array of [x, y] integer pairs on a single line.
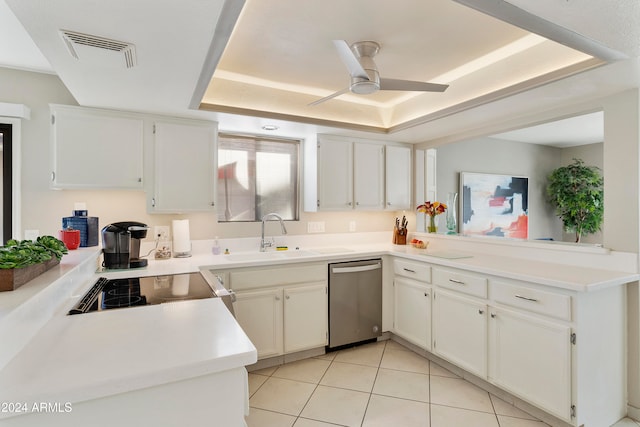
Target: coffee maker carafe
[[121, 244]]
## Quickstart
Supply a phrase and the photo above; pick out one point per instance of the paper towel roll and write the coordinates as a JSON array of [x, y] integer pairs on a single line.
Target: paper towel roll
[[181, 239]]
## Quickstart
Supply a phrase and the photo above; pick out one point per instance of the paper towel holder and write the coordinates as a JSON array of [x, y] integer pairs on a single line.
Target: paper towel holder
[[181, 241], [186, 254]]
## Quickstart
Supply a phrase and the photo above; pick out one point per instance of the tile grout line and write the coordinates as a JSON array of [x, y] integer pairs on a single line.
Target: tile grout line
[[364, 415], [493, 406], [430, 399], [314, 390]]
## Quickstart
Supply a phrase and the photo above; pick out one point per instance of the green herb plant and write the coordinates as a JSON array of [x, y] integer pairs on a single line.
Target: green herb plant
[[19, 254], [576, 191]]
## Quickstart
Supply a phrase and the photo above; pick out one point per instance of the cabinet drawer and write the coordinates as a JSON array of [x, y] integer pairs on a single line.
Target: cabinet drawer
[[281, 275], [413, 270], [531, 299], [461, 282]]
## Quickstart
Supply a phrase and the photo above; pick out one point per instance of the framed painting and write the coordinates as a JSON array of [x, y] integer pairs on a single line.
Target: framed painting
[[494, 205]]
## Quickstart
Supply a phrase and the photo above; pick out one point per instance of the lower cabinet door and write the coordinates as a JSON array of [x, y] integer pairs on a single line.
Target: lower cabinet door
[[259, 313], [412, 312], [460, 331], [305, 317], [531, 357]]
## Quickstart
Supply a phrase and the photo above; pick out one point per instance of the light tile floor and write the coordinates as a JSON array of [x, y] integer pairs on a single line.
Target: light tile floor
[[375, 385]]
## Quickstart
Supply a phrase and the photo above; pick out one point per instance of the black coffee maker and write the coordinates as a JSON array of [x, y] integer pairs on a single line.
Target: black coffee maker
[[121, 244]]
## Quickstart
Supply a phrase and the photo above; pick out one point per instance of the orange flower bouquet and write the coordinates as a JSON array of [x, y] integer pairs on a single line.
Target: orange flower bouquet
[[432, 209]]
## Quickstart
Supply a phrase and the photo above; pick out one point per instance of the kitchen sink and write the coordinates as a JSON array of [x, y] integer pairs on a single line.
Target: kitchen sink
[[259, 256]]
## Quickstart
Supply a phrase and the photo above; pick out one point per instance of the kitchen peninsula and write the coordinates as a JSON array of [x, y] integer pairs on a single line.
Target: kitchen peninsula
[[170, 359]]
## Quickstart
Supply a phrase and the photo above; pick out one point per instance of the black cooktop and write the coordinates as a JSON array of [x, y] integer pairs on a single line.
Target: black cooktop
[[108, 294]]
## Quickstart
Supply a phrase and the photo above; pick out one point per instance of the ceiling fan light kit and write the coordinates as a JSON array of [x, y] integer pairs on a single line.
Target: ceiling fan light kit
[[365, 78]]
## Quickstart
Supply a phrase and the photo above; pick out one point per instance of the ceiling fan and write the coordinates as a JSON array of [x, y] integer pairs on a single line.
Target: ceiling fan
[[365, 78]]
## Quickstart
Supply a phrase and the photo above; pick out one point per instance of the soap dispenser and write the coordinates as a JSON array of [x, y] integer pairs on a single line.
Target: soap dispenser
[[216, 247]]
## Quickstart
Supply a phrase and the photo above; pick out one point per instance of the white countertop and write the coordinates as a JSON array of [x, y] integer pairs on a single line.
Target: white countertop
[[82, 357], [554, 274], [76, 358]]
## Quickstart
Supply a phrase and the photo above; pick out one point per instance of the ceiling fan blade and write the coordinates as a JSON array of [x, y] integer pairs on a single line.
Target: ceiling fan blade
[[350, 60], [410, 85], [326, 98]]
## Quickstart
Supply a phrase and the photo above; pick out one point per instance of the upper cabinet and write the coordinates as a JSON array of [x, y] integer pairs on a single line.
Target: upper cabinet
[[368, 176], [184, 161], [357, 174], [398, 177], [94, 148], [173, 160], [335, 175]]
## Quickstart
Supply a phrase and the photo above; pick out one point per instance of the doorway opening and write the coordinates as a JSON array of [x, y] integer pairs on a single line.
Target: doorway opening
[[6, 152]]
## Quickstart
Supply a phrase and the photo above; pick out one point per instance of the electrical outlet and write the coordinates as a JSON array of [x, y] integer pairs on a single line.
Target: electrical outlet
[[161, 231], [352, 226], [315, 227]]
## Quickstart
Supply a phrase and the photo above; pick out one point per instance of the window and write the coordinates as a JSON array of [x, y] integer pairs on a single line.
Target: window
[[257, 176]]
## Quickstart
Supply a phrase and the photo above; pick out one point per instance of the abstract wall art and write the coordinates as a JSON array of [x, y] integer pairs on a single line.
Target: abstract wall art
[[494, 205]]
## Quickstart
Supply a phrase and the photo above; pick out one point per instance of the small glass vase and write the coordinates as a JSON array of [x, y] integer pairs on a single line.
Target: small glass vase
[[432, 227], [451, 216]]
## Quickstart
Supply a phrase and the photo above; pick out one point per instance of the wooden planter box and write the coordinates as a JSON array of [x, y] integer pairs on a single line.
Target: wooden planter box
[[11, 279]]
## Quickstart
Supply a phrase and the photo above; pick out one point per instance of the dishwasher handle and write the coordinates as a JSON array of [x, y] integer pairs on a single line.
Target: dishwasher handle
[[358, 269]]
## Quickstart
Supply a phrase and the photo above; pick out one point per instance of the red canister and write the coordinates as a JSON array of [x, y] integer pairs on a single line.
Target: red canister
[[70, 237]]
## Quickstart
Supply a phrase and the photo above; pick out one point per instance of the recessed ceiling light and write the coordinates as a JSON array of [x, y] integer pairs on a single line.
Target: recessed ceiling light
[[270, 127]]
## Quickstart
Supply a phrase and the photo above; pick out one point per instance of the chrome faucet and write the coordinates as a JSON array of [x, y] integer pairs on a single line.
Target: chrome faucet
[[263, 243]]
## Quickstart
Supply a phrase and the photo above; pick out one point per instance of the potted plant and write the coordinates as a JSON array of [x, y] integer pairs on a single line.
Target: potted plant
[[21, 261], [576, 191]]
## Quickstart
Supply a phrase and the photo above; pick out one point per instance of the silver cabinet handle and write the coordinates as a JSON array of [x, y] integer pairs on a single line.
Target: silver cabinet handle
[[287, 297], [409, 270], [526, 298], [426, 294], [493, 315], [481, 311], [457, 282], [277, 298]]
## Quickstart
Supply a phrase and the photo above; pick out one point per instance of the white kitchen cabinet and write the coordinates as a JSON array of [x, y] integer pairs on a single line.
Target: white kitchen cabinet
[[284, 320], [260, 315], [531, 357], [282, 310], [335, 175], [412, 311], [368, 176], [460, 330], [184, 167], [398, 177], [358, 174], [305, 317], [93, 148]]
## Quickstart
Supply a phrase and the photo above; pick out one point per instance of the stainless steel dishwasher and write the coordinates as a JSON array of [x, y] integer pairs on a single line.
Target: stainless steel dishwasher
[[355, 302]]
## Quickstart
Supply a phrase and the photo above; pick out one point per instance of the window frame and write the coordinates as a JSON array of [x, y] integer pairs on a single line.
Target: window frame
[[298, 142]]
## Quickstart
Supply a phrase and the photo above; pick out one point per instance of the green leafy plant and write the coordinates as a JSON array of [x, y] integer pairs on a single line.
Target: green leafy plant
[[18, 254], [576, 191]]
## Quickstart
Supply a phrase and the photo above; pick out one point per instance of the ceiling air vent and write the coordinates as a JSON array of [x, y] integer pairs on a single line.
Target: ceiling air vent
[[99, 50]]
